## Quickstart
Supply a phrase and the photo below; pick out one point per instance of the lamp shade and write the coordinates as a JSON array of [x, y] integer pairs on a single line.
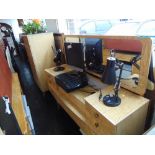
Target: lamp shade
[[109, 74]]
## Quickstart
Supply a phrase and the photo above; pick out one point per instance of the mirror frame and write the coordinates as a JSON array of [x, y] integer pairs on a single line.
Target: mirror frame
[[144, 63]]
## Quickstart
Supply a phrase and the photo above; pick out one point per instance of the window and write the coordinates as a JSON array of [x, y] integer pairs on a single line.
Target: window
[[88, 28], [147, 28], [103, 26]]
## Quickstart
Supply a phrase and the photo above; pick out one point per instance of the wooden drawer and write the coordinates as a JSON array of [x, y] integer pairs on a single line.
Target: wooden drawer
[[98, 123], [72, 99], [50, 79], [51, 82], [68, 96]]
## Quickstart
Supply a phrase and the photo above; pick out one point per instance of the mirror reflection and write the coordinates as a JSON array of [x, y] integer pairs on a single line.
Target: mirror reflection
[[97, 51], [133, 52], [128, 52], [131, 68]]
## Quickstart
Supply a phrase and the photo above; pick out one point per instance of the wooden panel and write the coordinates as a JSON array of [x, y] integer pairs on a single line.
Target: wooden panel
[[59, 44], [51, 82], [30, 58], [59, 41], [127, 118], [123, 44], [72, 111], [123, 57], [102, 36], [144, 69], [5, 78], [136, 44], [40, 54], [93, 116], [98, 123], [76, 98], [134, 124], [135, 70], [130, 102], [73, 103], [17, 105], [52, 73], [120, 56], [72, 39]]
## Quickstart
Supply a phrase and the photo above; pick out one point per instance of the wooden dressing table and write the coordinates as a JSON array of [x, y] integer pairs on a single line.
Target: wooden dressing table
[[92, 116]]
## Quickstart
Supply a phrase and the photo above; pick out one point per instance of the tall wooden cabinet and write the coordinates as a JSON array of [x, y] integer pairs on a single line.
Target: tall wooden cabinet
[[39, 49]]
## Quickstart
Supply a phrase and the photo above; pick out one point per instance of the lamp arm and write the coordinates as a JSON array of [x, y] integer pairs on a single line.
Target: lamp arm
[[134, 61], [117, 84]]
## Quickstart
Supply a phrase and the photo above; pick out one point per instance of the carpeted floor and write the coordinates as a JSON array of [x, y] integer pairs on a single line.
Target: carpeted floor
[[48, 117]]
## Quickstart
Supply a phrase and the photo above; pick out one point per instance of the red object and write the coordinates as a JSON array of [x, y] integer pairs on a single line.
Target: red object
[[123, 44], [5, 77]]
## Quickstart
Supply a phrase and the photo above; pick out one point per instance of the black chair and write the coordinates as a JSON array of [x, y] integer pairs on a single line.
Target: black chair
[[7, 31], [13, 47]]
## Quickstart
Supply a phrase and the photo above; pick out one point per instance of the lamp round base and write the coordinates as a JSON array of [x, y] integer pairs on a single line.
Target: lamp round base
[[111, 101], [58, 68]]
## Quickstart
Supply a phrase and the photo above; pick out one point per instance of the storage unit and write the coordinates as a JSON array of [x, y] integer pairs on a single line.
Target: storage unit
[[92, 116], [39, 49], [127, 118]]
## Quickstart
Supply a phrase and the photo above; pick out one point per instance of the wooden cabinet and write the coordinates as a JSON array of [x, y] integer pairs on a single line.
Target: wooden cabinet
[[127, 118], [39, 49], [98, 123], [93, 117]]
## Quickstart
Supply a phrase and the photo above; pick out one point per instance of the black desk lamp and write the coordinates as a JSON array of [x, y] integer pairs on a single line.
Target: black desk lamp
[[57, 60], [134, 61], [109, 77]]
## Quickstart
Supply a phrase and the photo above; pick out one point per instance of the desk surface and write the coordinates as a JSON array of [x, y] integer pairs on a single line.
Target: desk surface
[[130, 102], [130, 113]]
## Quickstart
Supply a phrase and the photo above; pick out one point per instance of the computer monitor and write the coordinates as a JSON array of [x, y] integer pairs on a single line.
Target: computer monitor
[[74, 54], [93, 51]]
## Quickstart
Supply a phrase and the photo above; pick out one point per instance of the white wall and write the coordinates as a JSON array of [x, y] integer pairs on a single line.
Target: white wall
[[52, 25], [62, 26], [14, 24]]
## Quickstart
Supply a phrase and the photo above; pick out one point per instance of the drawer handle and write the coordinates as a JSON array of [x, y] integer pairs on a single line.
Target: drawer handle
[[96, 115], [96, 125]]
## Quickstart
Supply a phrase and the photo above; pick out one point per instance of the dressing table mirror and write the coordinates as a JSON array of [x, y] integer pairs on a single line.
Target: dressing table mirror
[[134, 52]]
